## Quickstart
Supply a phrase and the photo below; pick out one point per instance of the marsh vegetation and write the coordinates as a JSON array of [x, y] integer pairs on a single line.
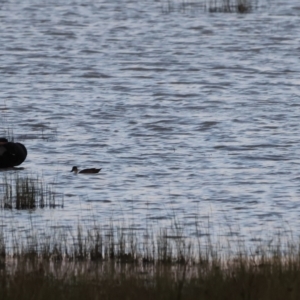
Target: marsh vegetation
[[27, 192], [212, 6], [117, 263], [231, 6]]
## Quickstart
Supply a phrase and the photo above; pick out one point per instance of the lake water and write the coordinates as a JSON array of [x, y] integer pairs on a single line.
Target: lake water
[[188, 113]]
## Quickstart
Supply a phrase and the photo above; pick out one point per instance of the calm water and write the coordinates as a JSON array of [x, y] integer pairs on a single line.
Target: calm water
[[187, 112]]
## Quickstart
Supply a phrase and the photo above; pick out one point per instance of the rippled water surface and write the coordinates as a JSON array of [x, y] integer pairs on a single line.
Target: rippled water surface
[[187, 112]]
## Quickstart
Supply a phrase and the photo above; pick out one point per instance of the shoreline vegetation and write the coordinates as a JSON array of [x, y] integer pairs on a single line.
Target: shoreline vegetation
[[121, 262], [117, 262]]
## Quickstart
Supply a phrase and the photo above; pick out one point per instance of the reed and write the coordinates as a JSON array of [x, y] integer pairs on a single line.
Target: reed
[[27, 192], [115, 263], [230, 6], [213, 6]]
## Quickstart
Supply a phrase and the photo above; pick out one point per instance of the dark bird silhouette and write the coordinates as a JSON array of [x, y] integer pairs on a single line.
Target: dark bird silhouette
[[85, 171]]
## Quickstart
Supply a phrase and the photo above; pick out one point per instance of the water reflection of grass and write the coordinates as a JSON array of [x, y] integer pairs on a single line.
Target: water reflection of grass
[[116, 263]]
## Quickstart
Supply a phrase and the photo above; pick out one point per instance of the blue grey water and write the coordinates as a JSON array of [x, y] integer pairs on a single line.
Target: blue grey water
[[188, 113]]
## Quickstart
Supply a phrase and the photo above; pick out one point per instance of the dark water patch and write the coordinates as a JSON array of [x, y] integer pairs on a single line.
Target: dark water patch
[[95, 75], [70, 195], [187, 95], [266, 157], [159, 218], [256, 239], [121, 88], [142, 135], [162, 94], [157, 128], [185, 82], [152, 186], [16, 49], [141, 69], [174, 195], [142, 77], [174, 168], [246, 182], [206, 125], [67, 34], [240, 208], [250, 147], [268, 215], [141, 175], [98, 201], [132, 200], [90, 51]]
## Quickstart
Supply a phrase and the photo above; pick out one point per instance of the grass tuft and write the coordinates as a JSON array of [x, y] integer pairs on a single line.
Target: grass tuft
[[213, 6], [230, 6], [27, 193]]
